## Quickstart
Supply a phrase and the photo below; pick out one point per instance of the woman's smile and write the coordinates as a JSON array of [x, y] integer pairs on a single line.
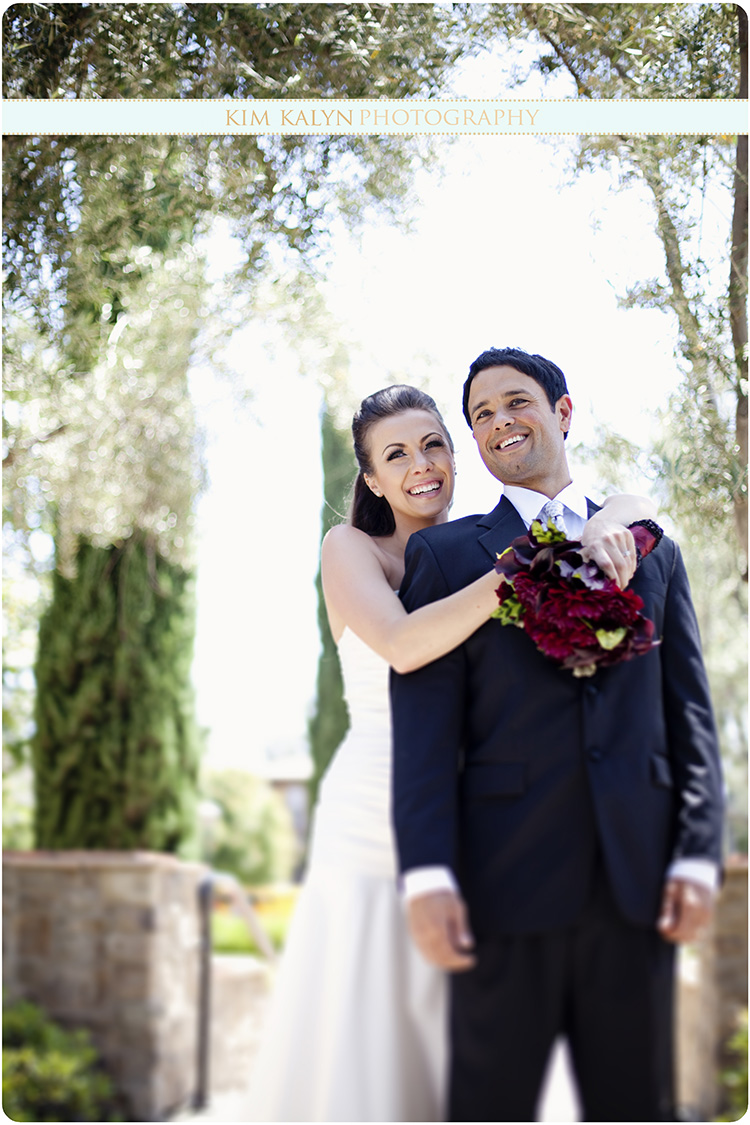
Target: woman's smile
[[426, 488], [413, 465]]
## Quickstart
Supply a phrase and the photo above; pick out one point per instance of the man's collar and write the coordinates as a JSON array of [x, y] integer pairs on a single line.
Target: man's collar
[[528, 503]]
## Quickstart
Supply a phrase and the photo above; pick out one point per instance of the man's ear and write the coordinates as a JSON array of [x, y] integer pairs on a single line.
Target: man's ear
[[564, 411]]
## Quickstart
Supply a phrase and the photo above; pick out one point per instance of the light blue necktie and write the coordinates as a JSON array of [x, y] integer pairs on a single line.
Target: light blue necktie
[[552, 512]]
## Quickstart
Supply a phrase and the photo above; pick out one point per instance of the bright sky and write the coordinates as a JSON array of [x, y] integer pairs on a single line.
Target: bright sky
[[504, 250]]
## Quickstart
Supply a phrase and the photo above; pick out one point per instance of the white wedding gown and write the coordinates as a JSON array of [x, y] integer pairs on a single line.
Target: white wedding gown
[[357, 1028]]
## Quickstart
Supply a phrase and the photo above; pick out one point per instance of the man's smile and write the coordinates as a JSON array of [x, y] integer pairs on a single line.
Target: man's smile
[[514, 439]]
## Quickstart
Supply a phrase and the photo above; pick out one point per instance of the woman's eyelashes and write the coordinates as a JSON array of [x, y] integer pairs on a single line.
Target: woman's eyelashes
[[431, 444]]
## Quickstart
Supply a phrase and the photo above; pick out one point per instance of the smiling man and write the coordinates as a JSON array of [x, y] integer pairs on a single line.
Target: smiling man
[[556, 835], [518, 428]]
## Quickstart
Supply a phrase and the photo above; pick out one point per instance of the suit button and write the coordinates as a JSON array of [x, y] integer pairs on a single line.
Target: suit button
[[595, 754]]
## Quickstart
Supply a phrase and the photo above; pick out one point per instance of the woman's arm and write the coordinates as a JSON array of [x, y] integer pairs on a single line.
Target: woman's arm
[[606, 539], [358, 595]]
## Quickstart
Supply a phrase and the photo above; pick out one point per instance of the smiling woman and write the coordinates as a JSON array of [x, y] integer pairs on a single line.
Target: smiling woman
[[385, 444], [405, 483], [418, 465]]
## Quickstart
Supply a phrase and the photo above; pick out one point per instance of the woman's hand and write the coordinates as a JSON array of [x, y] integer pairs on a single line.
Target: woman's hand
[[611, 546], [606, 539]]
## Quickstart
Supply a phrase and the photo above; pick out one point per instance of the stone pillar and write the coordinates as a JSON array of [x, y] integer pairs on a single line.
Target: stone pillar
[[730, 943], [110, 941], [712, 992], [240, 993]]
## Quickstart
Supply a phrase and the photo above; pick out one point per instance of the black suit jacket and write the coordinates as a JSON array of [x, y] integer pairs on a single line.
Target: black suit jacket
[[515, 774]]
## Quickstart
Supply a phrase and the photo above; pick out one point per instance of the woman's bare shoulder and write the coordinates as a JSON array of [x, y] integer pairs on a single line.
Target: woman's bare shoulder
[[342, 536], [346, 549]]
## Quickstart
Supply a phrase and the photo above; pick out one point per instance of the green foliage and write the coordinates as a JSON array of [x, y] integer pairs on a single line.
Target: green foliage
[[225, 50], [509, 612], [330, 719], [115, 751], [696, 456], [254, 837], [734, 1077], [22, 604], [50, 1074], [115, 449], [702, 525], [111, 458], [644, 50], [18, 812], [103, 298], [76, 207], [230, 933], [674, 51]]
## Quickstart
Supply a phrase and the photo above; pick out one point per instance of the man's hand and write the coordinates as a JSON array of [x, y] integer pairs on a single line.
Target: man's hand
[[686, 910], [611, 546], [439, 926]]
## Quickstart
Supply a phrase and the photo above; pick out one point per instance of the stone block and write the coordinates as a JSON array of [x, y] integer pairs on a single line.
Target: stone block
[[78, 947], [35, 933], [132, 982], [137, 888], [72, 993], [134, 948], [240, 991], [126, 918]]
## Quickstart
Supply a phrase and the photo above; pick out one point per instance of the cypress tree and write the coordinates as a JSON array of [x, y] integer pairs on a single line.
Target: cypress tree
[[116, 748], [330, 720]]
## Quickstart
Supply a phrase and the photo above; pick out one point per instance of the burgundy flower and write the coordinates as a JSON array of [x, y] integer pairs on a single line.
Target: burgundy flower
[[574, 614]]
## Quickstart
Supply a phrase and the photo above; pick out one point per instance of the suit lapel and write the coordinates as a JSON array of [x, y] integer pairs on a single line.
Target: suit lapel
[[503, 524]]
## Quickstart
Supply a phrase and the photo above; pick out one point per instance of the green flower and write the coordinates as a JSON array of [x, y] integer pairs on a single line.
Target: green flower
[[550, 534], [610, 638]]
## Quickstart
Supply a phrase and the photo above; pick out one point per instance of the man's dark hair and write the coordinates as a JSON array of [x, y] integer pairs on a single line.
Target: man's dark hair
[[543, 371]]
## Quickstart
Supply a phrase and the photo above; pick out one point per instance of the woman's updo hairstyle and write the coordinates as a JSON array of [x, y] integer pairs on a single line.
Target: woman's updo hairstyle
[[368, 512]]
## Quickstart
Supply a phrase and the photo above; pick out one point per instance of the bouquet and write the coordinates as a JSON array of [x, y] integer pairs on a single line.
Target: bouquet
[[574, 614]]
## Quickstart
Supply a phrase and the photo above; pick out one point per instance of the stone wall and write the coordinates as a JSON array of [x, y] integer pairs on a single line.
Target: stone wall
[[240, 990], [712, 993], [110, 941]]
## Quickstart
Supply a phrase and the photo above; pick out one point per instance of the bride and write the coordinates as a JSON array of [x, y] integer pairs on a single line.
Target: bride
[[357, 1024]]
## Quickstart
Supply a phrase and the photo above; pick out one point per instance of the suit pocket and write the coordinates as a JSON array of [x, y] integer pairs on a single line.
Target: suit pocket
[[661, 771], [486, 780]]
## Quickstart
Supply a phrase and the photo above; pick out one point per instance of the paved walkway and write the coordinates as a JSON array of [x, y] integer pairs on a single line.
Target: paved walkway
[[558, 1099]]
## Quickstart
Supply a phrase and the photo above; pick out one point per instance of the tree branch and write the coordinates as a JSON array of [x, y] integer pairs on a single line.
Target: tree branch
[[12, 455], [737, 299]]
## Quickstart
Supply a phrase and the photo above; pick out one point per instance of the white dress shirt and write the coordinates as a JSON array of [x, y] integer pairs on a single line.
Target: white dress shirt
[[528, 504]]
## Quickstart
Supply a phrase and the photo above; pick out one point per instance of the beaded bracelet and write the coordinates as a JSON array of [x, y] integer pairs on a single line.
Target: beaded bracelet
[[647, 535]]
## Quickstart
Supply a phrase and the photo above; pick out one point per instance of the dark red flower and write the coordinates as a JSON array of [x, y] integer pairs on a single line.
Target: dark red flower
[[572, 612]]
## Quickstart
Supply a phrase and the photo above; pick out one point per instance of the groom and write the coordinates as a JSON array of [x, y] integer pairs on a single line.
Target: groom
[[557, 836]]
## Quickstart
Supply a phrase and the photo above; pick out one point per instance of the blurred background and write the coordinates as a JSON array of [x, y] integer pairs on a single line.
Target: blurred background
[[189, 323]]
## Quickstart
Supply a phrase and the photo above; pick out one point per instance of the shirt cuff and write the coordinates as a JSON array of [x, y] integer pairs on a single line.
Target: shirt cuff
[[425, 881], [703, 871]]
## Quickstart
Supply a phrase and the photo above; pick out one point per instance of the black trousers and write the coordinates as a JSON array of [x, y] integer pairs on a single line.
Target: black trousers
[[605, 985]]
